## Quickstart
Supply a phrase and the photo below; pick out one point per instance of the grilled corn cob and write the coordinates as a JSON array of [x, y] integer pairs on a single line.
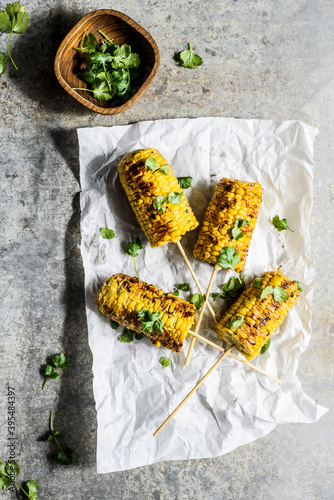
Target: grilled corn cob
[[122, 297], [167, 223], [260, 316], [233, 200]]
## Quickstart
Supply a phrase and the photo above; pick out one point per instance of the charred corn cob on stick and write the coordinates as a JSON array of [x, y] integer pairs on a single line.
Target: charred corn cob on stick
[[229, 221], [258, 318], [194, 389], [148, 191], [155, 196], [144, 308], [228, 226]]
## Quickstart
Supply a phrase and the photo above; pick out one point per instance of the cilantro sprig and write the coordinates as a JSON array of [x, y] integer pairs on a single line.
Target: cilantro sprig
[[152, 164], [106, 233], [132, 249], [185, 287], [280, 224], [189, 59], [110, 68], [9, 470], [185, 182], [231, 289], [66, 455], [59, 361], [265, 347], [278, 292], [13, 19], [129, 335], [228, 258], [150, 320], [236, 322], [197, 299]]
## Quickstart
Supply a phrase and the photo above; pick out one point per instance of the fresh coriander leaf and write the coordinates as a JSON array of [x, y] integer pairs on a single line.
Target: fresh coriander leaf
[[164, 169], [123, 57], [176, 293], [48, 370], [280, 224], [114, 325], [236, 322], [106, 233], [279, 294], [5, 24], [256, 283], [236, 233], [189, 59], [127, 335], [90, 43], [228, 258], [66, 457], [54, 375], [3, 62], [159, 203], [185, 287], [152, 164], [164, 361], [134, 246], [197, 299], [87, 76], [158, 326], [49, 439], [266, 291], [12, 469], [2, 468], [20, 22], [5, 482], [185, 182], [175, 198], [231, 289], [298, 285], [265, 347], [60, 361], [14, 8], [102, 91], [58, 433], [32, 489], [147, 320], [139, 336], [100, 57]]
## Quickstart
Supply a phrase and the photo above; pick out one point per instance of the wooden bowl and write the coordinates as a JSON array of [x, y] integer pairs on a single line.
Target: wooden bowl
[[122, 29]]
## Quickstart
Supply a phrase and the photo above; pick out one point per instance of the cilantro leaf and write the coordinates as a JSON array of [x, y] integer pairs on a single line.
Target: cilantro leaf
[[90, 43], [100, 58], [60, 361], [298, 285], [159, 203], [2, 468], [48, 369], [32, 489], [101, 90], [152, 164], [185, 182], [265, 347], [139, 336], [176, 293], [185, 287], [257, 282], [158, 326], [3, 62], [236, 233], [197, 299], [164, 169], [12, 469], [20, 22], [88, 76], [5, 482], [231, 289], [114, 325], [66, 457], [148, 320], [175, 198], [189, 59], [5, 24], [127, 335], [14, 8], [279, 294], [280, 224], [228, 258], [106, 233], [133, 247], [236, 322], [122, 57], [164, 361]]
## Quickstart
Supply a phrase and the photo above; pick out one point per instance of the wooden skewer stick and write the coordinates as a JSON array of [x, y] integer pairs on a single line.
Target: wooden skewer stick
[[192, 391], [192, 272], [206, 297], [256, 368]]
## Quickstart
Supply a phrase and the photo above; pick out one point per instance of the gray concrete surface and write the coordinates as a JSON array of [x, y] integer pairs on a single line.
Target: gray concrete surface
[[262, 59]]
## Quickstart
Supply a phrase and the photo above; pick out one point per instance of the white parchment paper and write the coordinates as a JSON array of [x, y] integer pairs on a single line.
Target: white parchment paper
[[133, 393]]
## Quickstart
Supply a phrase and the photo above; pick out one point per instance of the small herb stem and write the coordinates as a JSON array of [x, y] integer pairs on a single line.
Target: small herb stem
[[134, 263], [105, 36], [45, 381], [24, 491], [10, 57], [53, 434]]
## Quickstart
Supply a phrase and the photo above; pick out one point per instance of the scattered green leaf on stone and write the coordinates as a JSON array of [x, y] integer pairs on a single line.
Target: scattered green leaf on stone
[[189, 59]]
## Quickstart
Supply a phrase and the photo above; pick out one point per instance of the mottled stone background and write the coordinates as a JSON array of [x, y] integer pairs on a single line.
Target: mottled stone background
[[262, 59]]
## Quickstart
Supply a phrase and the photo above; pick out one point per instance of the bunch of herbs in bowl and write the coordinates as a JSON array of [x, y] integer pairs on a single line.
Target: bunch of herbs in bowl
[[110, 68]]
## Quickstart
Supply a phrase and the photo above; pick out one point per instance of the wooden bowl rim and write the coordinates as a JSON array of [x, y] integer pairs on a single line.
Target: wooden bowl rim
[[141, 90]]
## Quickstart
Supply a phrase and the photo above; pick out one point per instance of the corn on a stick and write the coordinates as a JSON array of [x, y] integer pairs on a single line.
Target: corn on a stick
[[192, 391]]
